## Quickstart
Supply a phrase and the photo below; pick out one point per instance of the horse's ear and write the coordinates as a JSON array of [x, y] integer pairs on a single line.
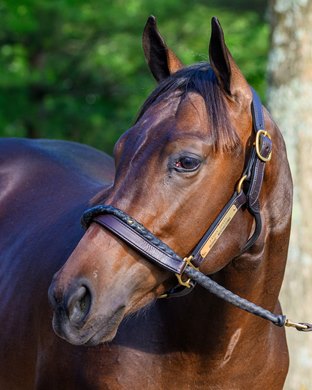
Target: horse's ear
[[227, 72], [161, 60]]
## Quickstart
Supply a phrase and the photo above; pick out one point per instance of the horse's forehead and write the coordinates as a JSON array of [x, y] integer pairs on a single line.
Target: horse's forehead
[[177, 112], [162, 110], [192, 113]]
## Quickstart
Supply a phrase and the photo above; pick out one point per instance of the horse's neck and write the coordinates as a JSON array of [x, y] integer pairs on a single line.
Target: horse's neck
[[207, 325]]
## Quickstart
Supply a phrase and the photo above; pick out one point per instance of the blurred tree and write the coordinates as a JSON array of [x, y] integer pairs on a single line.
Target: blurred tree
[[75, 69], [290, 79]]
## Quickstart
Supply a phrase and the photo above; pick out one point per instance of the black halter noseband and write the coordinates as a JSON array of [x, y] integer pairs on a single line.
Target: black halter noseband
[[246, 194]]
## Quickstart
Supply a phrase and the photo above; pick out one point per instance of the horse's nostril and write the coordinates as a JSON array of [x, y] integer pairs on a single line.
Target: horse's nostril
[[73, 304], [78, 304], [54, 301]]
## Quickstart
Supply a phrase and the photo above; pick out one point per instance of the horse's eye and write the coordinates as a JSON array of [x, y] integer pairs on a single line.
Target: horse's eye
[[187, 164]]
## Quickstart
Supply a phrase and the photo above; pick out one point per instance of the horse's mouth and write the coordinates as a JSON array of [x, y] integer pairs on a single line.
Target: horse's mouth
[[91, 333]]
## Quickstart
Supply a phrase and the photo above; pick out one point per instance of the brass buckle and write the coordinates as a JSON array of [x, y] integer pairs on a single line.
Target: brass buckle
[[258, 147], [240, 183], [186, 283]]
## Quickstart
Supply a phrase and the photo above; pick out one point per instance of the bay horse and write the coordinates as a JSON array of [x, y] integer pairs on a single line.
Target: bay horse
[[173, 171]]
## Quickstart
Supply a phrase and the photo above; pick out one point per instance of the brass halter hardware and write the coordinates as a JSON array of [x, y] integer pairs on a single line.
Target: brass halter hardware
[[258, 145], [296, 325], [240, 183], [186, 283]]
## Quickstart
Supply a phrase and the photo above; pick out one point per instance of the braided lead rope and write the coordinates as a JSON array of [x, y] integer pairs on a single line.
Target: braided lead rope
[[242, 303], [228, 296], [192, 273]]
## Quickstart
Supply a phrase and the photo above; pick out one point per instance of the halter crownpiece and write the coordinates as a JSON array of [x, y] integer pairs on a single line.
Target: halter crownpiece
[[246, 193]]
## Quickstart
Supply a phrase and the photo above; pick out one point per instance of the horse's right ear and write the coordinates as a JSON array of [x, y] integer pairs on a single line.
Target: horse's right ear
[[161, 60]]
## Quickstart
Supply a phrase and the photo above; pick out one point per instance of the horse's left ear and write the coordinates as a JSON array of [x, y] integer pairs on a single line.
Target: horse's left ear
[[161, 60], [227, 72]]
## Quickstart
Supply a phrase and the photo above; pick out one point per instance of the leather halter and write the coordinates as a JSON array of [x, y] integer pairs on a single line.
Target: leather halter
[[246, 194]]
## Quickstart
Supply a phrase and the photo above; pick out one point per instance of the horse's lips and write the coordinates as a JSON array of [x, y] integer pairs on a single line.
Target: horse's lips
[[103, 330]]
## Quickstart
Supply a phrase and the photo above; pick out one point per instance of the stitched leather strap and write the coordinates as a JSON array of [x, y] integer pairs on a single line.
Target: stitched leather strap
[[147, 248], [257, 112]]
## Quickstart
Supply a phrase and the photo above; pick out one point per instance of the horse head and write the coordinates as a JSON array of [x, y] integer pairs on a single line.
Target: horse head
[[176, 168]]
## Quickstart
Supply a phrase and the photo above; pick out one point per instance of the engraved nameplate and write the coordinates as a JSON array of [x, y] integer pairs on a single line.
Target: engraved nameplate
[[223, 223]]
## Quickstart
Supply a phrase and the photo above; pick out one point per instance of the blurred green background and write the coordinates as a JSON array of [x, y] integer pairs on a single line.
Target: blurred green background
[[75, 69]]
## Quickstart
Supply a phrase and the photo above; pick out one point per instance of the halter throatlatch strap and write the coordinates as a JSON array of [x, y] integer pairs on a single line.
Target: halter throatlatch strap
[[246, 194]]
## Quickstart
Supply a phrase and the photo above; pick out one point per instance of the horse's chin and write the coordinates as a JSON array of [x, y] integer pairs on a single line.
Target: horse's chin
[[91, 333], [100, 338]]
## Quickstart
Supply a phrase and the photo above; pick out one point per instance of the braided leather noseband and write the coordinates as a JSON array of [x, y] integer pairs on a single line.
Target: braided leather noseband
[[246, 193]]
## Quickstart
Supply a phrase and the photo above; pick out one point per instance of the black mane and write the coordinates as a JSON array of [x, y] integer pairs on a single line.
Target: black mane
[[200, 78]]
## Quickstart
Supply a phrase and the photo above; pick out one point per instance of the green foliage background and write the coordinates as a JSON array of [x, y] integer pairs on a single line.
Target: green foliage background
[[75, 69]]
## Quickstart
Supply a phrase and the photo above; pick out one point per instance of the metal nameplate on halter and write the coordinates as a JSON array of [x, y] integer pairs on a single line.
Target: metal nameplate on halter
[[227, 218]]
